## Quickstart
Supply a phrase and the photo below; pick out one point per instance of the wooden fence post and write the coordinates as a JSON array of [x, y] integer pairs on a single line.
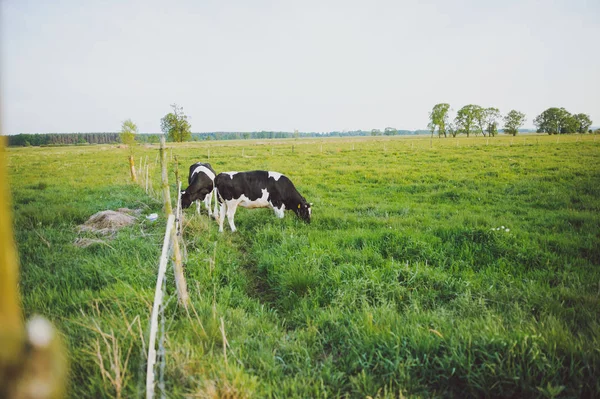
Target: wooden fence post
[[182, 293], [177, 173], [158, 294], [178, 213], [165, 178], [132, 168]]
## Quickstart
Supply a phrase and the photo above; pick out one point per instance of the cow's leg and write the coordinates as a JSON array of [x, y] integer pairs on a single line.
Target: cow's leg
[[207, 203], [221, 217], [279, 211], [215, 213], [198, 207], [231, 208]]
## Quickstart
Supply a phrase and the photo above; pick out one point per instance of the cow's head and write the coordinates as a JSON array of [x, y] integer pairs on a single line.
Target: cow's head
[[303, 211], [186, 199]]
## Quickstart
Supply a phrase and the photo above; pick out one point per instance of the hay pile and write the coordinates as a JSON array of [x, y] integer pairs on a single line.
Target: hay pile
[[108, 222]]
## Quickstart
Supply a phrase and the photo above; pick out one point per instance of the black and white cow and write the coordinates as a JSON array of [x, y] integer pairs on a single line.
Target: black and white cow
[[257, 189], [201, 182]]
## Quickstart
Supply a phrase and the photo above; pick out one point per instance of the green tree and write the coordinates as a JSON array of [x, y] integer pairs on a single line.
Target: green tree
[[479, 119], [553, 121], [513, 121], [375, 132], [492, 115], [583, 121], [570, 125], [128, 132], [465, 120], [451, 129], [175, 125], [390, 131], [438, 118]]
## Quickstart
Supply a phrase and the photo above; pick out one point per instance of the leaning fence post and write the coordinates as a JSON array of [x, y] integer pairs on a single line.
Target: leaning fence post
[[158, 296], [182, 293]]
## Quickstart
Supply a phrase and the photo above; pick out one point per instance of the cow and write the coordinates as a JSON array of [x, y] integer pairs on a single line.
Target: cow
[[201, 183], [257, 189]]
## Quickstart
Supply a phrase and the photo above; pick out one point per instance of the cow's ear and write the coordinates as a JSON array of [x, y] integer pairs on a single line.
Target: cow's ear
[[298, 206]]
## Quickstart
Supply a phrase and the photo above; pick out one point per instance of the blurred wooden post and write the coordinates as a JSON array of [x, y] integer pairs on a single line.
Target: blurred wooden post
[[12, 332], [182, 293], [33, 363], [132, 168]]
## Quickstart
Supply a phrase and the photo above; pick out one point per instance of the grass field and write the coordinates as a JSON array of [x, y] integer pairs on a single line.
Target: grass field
[[432, 268]]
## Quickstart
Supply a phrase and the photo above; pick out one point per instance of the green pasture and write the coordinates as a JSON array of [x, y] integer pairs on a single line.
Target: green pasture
[[432, 268]]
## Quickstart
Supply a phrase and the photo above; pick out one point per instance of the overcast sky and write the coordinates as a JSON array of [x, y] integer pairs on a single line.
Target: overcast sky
[[85, 66]]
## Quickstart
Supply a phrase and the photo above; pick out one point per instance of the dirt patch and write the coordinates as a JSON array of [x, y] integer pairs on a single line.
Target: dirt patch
[[108, 222]]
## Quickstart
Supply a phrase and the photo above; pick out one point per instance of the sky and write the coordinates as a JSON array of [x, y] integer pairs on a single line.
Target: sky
[[315, 66]]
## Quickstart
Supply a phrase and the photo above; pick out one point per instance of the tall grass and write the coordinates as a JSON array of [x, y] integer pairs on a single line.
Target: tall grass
[[457, 267]]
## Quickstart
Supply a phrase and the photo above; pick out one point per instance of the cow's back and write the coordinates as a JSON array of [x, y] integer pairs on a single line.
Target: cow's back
[[232, 185], [198, 167]]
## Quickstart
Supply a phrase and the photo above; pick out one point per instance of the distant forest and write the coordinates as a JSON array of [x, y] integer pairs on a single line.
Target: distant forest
[[51, 139]]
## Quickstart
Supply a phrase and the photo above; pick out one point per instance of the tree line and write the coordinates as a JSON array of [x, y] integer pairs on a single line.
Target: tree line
[[475, 119], [52, 139], [47, 139], [470, 119]]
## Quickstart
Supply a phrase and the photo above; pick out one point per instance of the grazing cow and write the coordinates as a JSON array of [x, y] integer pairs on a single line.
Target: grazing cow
[[201, 184], [257, 189]]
